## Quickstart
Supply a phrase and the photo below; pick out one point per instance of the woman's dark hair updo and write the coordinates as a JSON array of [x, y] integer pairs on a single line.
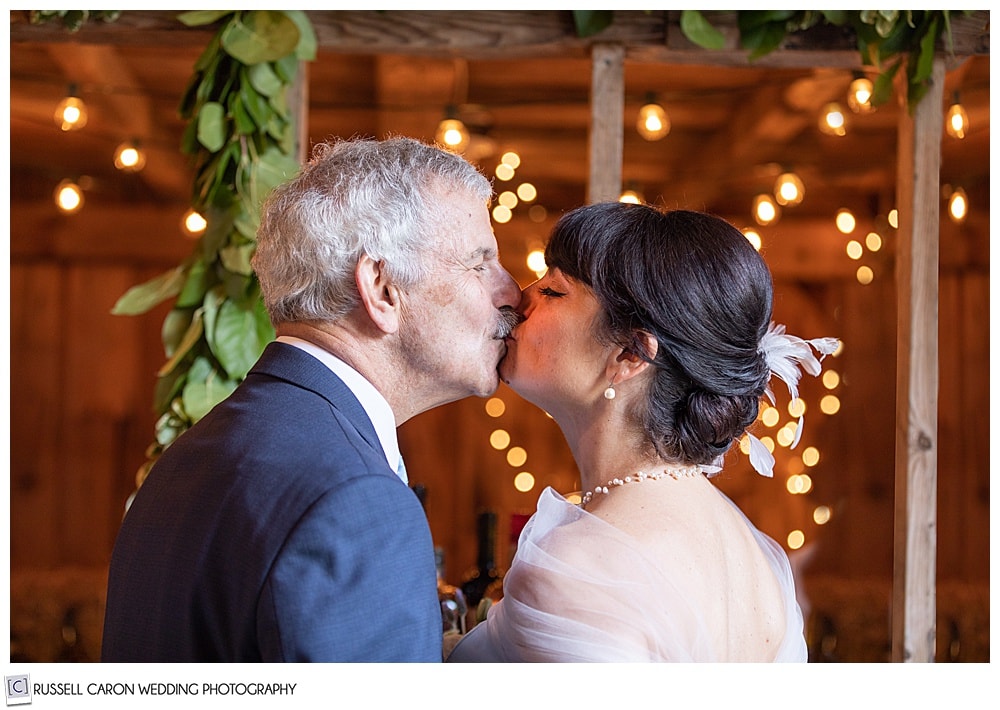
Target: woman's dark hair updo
[[695, 283]]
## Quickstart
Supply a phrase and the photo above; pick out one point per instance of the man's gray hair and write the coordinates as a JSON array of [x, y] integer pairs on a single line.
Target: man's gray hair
[[354, 197]]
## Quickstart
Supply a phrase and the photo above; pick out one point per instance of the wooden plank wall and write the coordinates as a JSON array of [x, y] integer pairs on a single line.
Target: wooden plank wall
[[81, 393]]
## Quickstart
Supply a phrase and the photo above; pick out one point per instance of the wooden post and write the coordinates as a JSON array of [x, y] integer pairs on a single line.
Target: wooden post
[[915, 525], [298, 100], [607, 108]]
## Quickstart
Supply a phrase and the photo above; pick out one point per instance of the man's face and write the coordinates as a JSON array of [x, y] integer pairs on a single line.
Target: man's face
[[451, 321]]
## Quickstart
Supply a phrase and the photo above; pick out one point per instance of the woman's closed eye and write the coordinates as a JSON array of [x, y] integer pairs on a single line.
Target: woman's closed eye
[[551, 293]]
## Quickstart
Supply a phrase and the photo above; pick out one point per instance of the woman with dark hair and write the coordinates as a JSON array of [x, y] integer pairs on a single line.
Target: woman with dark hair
[[649, 340]]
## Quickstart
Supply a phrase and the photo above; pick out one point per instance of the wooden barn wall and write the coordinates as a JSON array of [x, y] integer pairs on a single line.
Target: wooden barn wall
[[81, 418]]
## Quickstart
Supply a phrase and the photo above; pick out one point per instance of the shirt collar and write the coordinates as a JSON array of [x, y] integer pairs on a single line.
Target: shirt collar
[[371, 399]]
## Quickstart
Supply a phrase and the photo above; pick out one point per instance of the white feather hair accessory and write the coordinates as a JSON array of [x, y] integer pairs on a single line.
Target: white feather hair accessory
[[786, 356]]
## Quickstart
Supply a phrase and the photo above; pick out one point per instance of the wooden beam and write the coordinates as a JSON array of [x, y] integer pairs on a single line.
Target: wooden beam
[[915, 523], [607, 109], [652, 35]]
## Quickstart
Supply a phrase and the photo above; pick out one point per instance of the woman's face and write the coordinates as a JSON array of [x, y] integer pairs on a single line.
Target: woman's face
[[553, 359]]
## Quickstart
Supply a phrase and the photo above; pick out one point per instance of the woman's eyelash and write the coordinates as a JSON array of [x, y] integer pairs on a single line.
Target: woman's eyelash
[[546, 291]]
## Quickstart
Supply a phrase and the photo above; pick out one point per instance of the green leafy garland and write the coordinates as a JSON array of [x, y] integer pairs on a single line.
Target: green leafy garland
[[242, 141], [887, 39], [72, 20]]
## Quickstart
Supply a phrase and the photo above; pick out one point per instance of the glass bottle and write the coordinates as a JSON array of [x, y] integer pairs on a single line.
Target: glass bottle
[[485, 580]]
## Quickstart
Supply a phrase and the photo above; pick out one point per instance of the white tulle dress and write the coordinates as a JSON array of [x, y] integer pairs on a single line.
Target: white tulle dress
[[580, 590]]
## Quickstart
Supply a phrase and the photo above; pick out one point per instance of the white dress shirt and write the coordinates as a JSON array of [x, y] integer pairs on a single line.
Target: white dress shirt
[[371, 399]]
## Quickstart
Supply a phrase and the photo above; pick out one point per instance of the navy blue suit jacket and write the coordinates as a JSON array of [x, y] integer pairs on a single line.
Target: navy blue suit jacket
[[274, 530]]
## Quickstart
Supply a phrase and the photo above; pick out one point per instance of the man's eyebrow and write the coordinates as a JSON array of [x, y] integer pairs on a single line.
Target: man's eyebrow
[[483, 253]]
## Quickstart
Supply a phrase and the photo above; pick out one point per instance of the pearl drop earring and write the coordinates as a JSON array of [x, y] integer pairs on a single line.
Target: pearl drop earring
[[609, 393]]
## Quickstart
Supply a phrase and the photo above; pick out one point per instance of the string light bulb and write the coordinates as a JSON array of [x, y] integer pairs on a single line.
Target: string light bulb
[[956, 122], [129, 157], [68, 197], [452, 133], [653, 124], [193, 223], [765, 210], [845, 221], [71, 112], [632, 195], [832, 121], [788, 189], [958, 205], [859, 94]]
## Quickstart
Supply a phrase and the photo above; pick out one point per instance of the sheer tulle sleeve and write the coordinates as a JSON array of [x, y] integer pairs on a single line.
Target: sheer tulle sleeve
[[580, 590]]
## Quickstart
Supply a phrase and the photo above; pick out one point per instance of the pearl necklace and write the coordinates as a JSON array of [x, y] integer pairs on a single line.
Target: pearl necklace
[[639, 477]]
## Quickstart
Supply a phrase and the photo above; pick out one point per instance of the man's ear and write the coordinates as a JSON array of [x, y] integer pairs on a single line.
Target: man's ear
[[379, 296]]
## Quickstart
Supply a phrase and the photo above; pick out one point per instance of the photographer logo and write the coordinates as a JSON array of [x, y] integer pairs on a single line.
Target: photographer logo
[[18, 689]]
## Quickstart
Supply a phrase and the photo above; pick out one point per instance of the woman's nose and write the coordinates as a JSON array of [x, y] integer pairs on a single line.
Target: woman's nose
[[527, 300]]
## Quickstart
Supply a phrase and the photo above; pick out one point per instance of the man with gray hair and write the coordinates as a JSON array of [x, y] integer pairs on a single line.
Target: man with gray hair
[[272, 528]]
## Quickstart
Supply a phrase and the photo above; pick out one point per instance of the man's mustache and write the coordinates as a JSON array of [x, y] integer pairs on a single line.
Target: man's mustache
[[509, 318]]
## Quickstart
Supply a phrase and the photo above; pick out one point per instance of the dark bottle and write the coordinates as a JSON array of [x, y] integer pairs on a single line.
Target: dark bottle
[[454, 610], [484, 581]]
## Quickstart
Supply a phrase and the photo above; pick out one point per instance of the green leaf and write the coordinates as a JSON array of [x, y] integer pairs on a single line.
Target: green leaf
[[237, 258], [279, 104], [273, 168], [590, 22], [168, 428], [211, 126], [166, 389], [220, 225], [210, 313], [756, 19], [263, 78], [246, 223], [836, 17], [256, 105], [197, 18], [175, 325], [190, 339], [883, 85], [242, 120], [287, 68], [305, 50], [762, 39], [696, 28], [200, 396], [141, 298], [198, 280], [240, 336], [925, 58], [260, 36]]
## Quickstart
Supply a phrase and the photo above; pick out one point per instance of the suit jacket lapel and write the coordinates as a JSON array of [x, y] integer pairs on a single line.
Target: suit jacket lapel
[[299, 368]]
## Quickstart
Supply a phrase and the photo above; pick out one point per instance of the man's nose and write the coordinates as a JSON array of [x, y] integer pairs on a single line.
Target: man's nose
[[509, 292]]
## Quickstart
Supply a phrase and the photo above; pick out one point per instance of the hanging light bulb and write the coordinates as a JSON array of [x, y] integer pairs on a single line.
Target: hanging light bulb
[[845, 221], [788, 189], [129, 157], [958, 205], [631, 194], [71, 113], [832, 121], [452, 133], [653, 122], [956, 123], [68, 197], [192, 223], [765, 210], [859, 95]]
